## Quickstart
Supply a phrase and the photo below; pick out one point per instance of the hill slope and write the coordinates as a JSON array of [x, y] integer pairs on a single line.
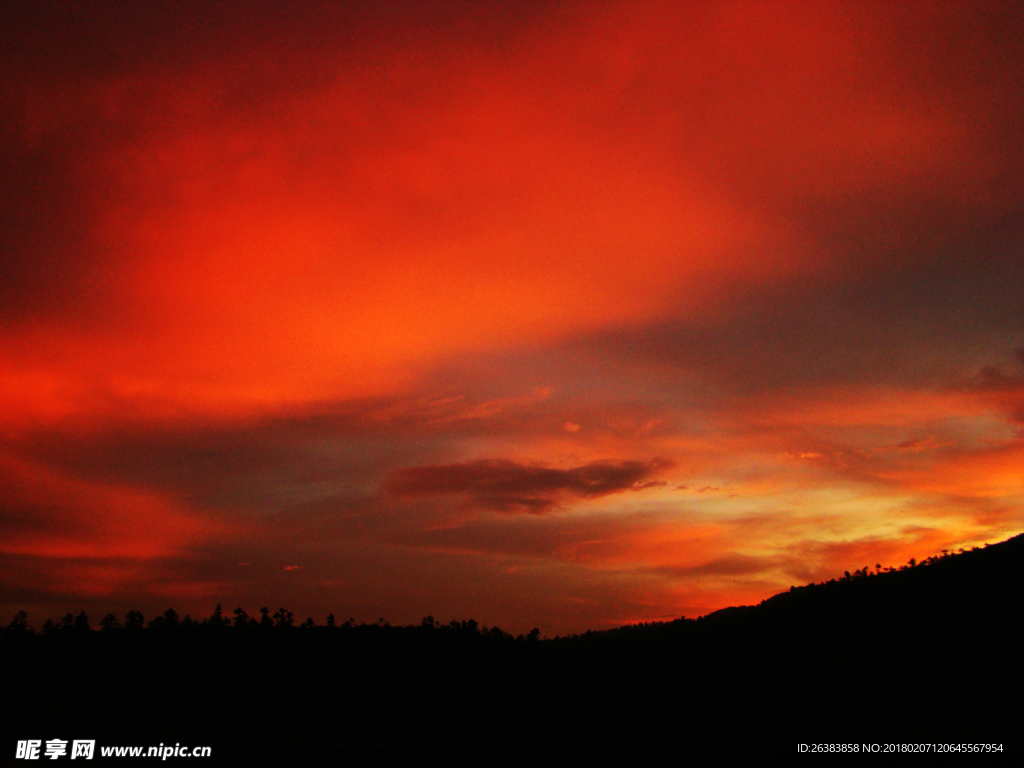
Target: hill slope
[[930, 652]]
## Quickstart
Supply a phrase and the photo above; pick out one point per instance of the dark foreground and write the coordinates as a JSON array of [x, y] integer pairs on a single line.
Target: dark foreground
[[927, 654]]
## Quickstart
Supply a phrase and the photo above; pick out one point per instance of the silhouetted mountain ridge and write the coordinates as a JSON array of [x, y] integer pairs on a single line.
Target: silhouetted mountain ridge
[[928, 651]]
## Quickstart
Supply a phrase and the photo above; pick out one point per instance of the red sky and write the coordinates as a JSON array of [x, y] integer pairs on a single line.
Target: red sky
[[565, 315]]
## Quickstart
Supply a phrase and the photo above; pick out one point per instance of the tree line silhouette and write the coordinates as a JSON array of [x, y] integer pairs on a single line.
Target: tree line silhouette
[[282, 619], [285, 619], [925, 651]]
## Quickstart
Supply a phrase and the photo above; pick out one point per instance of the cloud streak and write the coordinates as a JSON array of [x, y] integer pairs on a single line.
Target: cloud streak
[[501, 485]]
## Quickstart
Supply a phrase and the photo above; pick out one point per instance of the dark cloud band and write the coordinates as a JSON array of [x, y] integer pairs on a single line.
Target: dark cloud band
[[506, 486]]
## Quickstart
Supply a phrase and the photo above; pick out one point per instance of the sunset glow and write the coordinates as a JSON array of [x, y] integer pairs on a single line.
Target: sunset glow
[[566, 315]]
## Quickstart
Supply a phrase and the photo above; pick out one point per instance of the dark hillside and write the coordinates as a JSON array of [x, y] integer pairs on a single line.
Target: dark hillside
[[924, 653]]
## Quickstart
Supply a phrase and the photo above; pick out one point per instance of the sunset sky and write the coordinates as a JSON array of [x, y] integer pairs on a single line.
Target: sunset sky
[[564, 315]]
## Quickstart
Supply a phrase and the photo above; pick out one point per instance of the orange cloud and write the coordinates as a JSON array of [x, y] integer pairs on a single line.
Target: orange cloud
[[50, 515]]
